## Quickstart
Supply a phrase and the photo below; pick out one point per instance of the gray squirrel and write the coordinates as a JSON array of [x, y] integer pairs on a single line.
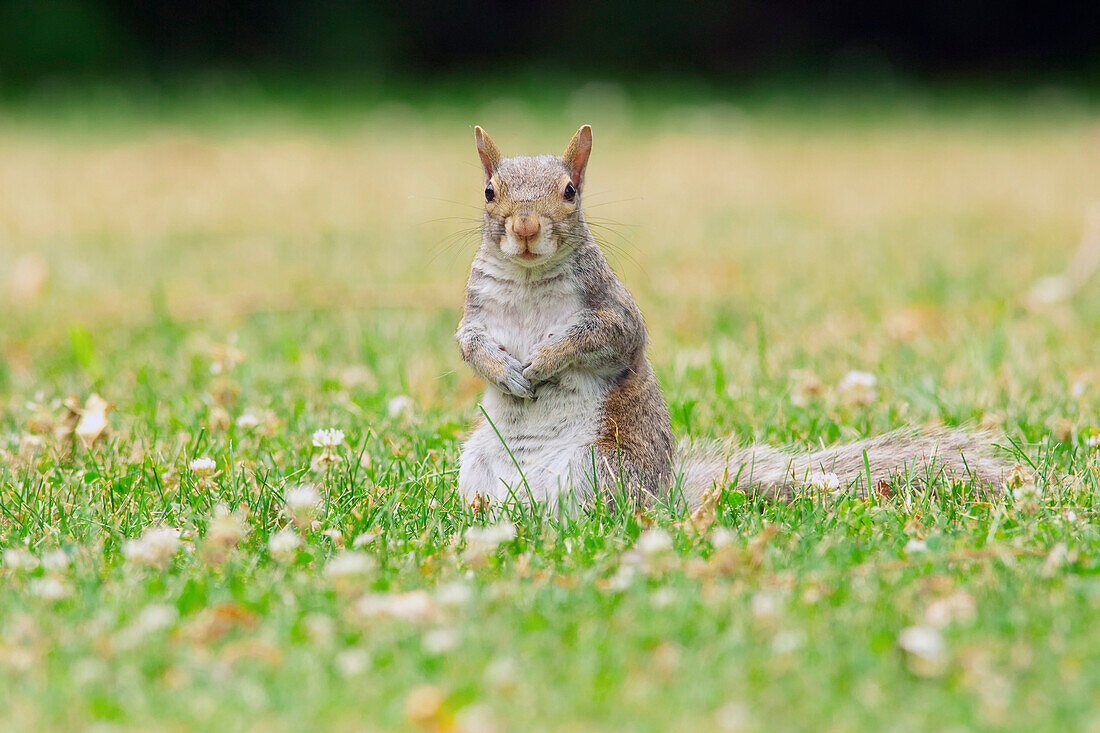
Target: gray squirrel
[[573, 412]]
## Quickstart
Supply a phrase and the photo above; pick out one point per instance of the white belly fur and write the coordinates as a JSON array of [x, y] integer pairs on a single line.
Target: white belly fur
[[551, 438]]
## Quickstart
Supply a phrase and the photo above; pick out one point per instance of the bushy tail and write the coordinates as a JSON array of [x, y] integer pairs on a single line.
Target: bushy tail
[[902, 456]]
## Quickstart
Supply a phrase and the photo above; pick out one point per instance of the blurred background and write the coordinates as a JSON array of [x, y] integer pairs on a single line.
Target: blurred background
[[734, 41], [820, 177]]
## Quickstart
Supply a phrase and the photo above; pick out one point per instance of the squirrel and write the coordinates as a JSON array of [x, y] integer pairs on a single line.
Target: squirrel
[[573, 411]]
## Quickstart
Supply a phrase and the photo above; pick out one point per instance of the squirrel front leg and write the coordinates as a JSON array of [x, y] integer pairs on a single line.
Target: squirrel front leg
[[491, 362], [605, 338]]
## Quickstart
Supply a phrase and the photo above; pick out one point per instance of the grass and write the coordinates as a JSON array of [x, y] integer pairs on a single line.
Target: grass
[[309, 275]]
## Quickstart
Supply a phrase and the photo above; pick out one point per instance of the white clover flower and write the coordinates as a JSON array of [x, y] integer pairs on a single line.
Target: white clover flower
[[227, 528], [29, 443], [19, 558], [958, 606], [352, 662], [283, 545], [87, 671], [624, 576], [1027, 492], [49, 588], [926, 647], [722, 537], [225, 358], [328, 441], [155, 617], [807, 388], [764, 605], [439, 641], [484, 541], [414, 606], [825, 482], [662, 598], [501, 673], [203, 467], [1028, 497], [349, 564], [156, 547], [398, 406], [733, 717], [453, 594], [786, 642], [328, 438], [1057, 557], [858, 380], [247, 421], [858, 387], [303, 502], [320, 627], [653, 541], [476, 718], [915, 546], [364, 539], [152, 618], [55, 560], [1050, 290], [1093, 441]]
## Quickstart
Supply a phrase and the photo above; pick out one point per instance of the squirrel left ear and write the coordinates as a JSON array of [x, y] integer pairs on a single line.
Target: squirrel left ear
[[576, 154], [487, 149]]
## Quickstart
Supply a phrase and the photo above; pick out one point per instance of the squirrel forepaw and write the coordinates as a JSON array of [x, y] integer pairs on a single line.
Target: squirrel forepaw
[[537, 371], [517, 385]]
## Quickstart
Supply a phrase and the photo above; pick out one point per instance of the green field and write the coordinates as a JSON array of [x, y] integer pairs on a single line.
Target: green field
[[233, 278]]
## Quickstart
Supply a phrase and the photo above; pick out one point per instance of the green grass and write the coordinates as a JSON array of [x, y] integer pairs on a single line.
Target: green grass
[[764, 252]]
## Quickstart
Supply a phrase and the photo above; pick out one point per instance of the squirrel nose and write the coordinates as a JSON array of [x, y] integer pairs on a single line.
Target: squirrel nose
[[526, 228]]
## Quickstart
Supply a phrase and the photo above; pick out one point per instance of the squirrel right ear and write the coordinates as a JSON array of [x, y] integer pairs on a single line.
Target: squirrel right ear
[[487, 149], [576, 154]]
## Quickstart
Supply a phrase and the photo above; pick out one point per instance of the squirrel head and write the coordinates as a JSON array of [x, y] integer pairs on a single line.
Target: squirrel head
[[532, 203]]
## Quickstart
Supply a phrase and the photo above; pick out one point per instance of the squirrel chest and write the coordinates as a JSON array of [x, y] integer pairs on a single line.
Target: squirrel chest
[[551, 438], [520, 316]]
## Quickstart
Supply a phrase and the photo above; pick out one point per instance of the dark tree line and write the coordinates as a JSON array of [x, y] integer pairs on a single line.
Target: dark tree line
[[734, 39]]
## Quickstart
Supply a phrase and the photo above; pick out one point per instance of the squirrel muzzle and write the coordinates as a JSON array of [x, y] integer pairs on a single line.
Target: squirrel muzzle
[[525, 228]]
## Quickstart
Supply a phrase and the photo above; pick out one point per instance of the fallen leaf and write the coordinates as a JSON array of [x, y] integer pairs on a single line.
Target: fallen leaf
[[425, 706], [93, 423], [704, 515], [216, 622]]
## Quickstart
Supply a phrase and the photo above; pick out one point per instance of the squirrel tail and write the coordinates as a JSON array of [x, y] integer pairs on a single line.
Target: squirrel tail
[[897, 458]]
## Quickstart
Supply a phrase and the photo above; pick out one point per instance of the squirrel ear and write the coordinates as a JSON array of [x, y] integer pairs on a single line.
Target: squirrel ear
[[576, 154], [487, 149]]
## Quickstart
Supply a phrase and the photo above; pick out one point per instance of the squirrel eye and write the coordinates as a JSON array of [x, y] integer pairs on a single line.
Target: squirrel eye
[[490, 194], [570, 192]]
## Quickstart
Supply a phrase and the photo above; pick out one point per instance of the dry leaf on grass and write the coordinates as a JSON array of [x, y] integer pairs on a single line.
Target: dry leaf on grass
[[93, 423], [704, 515], [216, 622]]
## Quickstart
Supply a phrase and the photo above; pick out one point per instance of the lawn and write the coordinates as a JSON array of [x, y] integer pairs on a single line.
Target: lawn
[[194, 299]]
